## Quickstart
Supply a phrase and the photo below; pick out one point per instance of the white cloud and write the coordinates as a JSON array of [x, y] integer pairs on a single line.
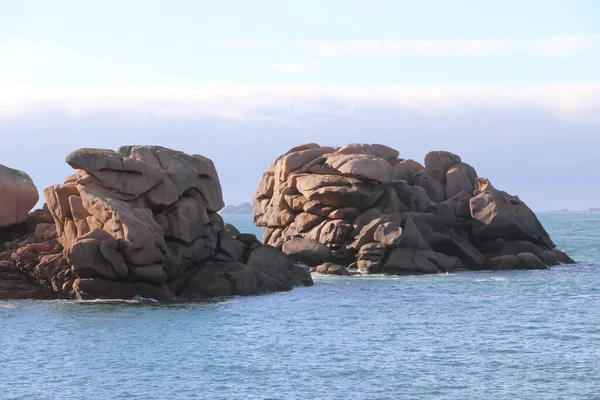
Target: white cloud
[[298, 67], [578, 101], [558, 45], [245, 44]]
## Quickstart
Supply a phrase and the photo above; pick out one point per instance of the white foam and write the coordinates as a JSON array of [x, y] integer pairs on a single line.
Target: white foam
[[491, 279]]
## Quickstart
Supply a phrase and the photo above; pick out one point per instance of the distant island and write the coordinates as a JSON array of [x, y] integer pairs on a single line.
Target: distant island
[[591, 209], [242, 208]]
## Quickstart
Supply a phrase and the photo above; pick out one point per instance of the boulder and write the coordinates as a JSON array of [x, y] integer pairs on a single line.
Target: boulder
[[337, 191], [405, 171], [366, 234], [14, 285], [432, 229], [332, 269], [531, 261], [315, 208], [338, 270], [295, 160], [232, 230], [370, 257], [442, 160], [415, 198], [497, 214], [411, 236], [412, 261], [562, 257], [220, 279], [95, 255], [458, 178], [19, 195], [465, 251], [547, 256], [390, 202], [429, 180], [306, 221], [361, 166], [388, 233], [376, 150], [45, 265], [348, 213], [307, 251], [90, 289], [335, 231], [520, 261], [45, 232], [277, 265], [372, 252]]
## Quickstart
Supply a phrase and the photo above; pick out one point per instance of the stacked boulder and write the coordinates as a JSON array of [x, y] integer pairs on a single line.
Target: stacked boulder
[[142, 221], [362, 206]]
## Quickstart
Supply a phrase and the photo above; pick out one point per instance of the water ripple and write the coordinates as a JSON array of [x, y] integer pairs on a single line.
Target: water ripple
[[475, 335]]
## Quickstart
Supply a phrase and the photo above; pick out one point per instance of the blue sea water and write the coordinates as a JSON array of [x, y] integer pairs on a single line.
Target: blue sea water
[[471, 335]]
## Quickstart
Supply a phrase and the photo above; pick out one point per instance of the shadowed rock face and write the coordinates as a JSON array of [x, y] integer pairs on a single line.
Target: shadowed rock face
[[363, 206], [142, 221]]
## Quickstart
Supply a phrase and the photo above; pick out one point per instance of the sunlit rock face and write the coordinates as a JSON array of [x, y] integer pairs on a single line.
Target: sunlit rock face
[[18, 195], [142, 221], [363, 206]]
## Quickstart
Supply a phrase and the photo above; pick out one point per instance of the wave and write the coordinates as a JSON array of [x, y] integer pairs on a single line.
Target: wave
[[491, 279]]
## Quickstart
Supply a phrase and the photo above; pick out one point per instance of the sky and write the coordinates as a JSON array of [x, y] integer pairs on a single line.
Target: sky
[[513, 86]]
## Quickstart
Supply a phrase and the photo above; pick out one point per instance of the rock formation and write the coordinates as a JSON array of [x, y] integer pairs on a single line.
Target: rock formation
[[243, 208], [362, 206], [141, 221], [19, 195]]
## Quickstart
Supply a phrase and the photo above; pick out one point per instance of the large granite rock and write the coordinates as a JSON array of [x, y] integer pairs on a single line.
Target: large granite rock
[[142, 222], [19, 196], [362, 206], [497, 214]]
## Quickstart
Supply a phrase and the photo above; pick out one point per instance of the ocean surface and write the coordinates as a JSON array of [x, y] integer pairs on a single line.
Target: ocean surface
[[470, 335]]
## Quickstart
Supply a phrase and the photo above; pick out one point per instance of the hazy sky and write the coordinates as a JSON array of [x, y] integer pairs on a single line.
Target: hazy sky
[[511, 86]]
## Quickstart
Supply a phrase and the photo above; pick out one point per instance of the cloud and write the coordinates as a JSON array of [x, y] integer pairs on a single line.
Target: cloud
[[558, 45], [299, 67], [538, 141], [576, 101], [245, 44]]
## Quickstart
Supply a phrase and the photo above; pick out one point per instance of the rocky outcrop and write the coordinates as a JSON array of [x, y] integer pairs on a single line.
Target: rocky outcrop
[[19, 196], [241, 209], [364, 207], [142, 221]]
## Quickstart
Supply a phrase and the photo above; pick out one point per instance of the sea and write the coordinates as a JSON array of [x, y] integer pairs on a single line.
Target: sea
[[469, 335]]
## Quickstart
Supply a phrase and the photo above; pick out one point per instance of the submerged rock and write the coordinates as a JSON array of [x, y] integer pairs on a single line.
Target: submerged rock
[[363, 206], [331, 269], [143, 221]]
